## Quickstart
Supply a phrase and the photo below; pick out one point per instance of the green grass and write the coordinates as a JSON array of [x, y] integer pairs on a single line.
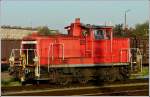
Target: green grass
[[10, 82], [5, 83], [145, 72]]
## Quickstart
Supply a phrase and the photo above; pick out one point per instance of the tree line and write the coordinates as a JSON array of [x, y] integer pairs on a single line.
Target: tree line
[[140, 30]]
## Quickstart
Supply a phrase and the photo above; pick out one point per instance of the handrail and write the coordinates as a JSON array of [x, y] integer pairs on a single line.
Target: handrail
[[13, 53], [129, 56], [51, 46]]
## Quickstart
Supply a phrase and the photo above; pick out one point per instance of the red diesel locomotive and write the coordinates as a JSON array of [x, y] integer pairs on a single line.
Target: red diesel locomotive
[[87, 52]]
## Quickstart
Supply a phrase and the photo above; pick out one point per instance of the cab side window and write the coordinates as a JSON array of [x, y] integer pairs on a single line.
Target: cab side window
[[99, 34]]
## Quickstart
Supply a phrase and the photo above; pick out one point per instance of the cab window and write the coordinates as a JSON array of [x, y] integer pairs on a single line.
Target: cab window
[[99, 34]]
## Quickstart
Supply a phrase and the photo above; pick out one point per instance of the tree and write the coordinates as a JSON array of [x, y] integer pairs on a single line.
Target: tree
[[44, 30], [140, 30], [118, 30]]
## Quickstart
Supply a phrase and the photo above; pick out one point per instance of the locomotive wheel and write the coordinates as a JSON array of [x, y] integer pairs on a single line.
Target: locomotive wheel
[[30, 75], [63, 80], [53, 76], [112, 74], [125, 73], [120, 77], [83, 76], [82, 80], [58, 78], [17, 73], [106, 74]]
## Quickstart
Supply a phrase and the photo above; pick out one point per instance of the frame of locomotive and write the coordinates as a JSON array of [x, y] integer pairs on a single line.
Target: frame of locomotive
[[57, 69]]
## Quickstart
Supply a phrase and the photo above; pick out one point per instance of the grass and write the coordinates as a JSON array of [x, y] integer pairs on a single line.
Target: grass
[[145, 72], [10, 82], [7, 80], [5, 83]]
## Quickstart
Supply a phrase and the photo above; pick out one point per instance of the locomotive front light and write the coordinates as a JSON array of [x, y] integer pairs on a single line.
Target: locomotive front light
[[26, 71]]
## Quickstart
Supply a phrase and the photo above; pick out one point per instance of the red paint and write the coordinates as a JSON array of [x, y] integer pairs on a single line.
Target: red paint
[[81, 49]]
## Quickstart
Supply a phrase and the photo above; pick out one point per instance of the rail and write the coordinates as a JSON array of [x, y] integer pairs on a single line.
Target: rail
[[82, 90]]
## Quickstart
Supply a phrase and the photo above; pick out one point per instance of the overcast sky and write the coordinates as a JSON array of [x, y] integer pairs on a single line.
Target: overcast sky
[[59, 13]]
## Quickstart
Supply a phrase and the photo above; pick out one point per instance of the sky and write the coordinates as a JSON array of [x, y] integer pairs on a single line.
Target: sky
[[56, 14]]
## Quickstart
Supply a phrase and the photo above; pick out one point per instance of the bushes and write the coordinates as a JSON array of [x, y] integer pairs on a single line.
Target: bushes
[[43, 30], [46, 31]]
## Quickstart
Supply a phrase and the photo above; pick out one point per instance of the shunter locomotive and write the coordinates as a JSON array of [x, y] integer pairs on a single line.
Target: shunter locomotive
[[87, 52]]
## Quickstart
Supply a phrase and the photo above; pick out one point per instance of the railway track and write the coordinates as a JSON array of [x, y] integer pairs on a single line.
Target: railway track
[[116, 88]]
